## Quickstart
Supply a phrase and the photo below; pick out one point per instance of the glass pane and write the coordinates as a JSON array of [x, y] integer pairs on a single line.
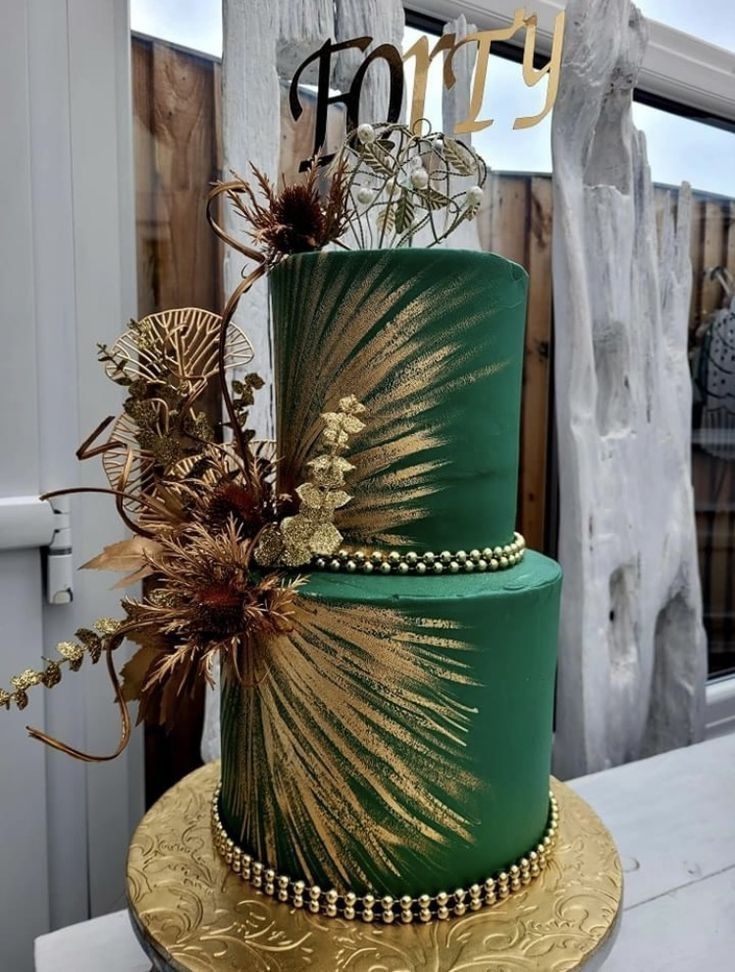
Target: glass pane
[[712, 20], [682, 149], [712, 356], [506, 98], [196, 24]]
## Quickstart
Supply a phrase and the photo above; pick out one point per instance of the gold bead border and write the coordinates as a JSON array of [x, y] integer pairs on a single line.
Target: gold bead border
[[387, 909], [394, 562]]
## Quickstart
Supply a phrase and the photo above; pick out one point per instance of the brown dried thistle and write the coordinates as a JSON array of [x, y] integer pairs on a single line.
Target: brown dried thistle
[[210, 602], [298, 218]]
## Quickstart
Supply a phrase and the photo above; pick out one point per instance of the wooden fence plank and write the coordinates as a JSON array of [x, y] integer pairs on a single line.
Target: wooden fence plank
[[145, 195], [510, 217], [179, 265], [536, 406], [186, 164], [695, 253], [712, 254]]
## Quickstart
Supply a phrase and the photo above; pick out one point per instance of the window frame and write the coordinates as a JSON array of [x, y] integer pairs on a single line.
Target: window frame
[[681, 74]]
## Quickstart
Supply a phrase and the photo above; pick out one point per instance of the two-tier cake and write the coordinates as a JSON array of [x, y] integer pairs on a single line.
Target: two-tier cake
[[395, 744]]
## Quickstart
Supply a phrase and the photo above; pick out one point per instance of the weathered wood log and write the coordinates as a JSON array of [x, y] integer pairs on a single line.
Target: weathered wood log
[[250, 132], [633, 662], [382, 20]]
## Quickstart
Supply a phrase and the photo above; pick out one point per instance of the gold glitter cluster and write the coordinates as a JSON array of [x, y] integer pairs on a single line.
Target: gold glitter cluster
[[387, 908], [311, 532]]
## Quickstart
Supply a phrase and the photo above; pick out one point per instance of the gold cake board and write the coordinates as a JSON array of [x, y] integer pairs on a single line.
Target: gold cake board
[[192, 913]]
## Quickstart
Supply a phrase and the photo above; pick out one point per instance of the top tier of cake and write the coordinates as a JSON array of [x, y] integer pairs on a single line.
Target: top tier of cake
[[431, 342]]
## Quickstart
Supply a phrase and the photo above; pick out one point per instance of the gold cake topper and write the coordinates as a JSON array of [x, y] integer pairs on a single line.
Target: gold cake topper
[[448, 45]]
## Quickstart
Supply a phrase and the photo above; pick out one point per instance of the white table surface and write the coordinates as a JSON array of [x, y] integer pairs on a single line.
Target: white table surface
[[673, 819]]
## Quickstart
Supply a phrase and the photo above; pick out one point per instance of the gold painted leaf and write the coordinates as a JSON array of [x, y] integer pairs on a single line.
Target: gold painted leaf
[[405, 212], [135, 672], [458, 156], [127, 554]]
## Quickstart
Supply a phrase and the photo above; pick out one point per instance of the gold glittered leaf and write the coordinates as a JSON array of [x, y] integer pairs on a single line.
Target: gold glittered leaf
[[92, 642], [329, 471], [297, 529], [351, 405], [25, 680], [73, 653], [51, 674], [335, 435], [334, 499], [325, 539], [270, 546], [312, 498], [4, 699]]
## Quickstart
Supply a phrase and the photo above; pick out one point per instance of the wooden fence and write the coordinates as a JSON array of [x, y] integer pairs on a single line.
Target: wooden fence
[[176, 108]]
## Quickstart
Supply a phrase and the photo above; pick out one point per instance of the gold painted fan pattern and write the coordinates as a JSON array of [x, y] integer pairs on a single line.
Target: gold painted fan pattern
[[401, 347], [344, 749]]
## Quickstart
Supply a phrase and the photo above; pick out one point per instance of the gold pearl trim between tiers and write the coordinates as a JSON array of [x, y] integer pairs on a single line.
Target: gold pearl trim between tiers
[[394, 562], [424, 908]]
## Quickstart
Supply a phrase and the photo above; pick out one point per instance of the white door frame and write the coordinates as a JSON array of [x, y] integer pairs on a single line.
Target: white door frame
[[67, 280]]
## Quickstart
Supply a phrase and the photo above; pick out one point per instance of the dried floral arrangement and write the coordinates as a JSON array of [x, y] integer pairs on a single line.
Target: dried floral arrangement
[[216, 540]]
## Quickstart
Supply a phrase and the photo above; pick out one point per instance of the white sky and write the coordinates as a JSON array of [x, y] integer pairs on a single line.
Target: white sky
[[678, 148]]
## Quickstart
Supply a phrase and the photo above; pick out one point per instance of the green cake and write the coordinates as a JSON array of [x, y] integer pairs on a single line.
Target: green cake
[[395, 746]]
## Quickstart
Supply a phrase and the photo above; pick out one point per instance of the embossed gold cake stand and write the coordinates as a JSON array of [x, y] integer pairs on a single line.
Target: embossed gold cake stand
[[192, 913]]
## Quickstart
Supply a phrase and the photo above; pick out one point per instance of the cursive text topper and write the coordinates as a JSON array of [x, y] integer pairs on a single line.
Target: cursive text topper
[[448, 45]]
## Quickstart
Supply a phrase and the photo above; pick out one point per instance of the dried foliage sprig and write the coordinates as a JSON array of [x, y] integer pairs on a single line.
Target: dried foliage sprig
[[297, 218], [198, 509]]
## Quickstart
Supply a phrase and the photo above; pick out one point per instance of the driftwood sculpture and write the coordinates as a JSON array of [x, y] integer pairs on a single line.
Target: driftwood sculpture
[[632, 664]]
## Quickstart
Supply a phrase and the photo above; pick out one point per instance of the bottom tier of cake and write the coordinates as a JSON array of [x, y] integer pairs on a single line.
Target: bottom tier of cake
[[397, 740]]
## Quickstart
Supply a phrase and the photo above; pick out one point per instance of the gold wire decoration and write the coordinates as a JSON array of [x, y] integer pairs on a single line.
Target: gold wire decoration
[[165, 362], [409, 182]]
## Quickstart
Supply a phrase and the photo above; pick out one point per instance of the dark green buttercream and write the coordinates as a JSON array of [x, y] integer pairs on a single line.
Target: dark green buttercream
[[431, 341], [509, 620]]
